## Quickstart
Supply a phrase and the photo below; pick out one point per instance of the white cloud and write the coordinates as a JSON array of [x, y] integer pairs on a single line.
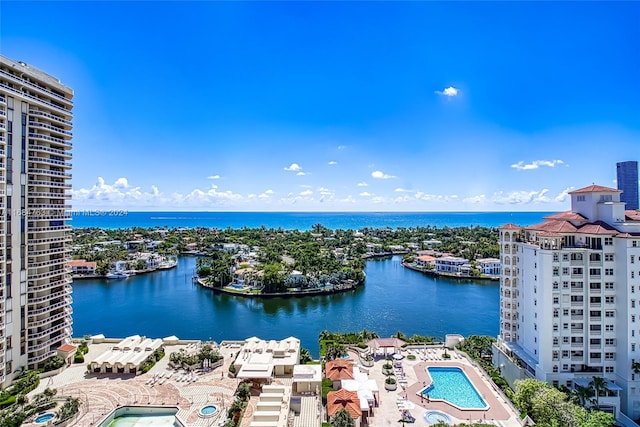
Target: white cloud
[[332, 163], [213, 177], [449, 91], [522, 166], [381, 175], [475, 199], [341, 147], [563, 195], [306, 193], [302, 173], [521, 197], [402, 190], [325, 191], [365, 194], [293, 167], [269, 191], [362, 184]]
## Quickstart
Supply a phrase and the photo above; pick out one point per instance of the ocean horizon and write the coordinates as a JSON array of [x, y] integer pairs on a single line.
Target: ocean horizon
[[298, 220]]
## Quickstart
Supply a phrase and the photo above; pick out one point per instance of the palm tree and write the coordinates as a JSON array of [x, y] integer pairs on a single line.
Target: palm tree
[[342, 419], [598, 385], [582, 394]]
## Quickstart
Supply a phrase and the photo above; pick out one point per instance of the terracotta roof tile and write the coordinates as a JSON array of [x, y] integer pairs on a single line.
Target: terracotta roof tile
[[554, 226], [67, 348], [509, 227], [595, 189], [598, 227], [339, 369], [344, 399], [567, 215], [632, 215]]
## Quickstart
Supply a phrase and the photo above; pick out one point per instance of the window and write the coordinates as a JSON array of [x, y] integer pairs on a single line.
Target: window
[[634, 243], [565, 326], [609, 299], [565, 367], [555, 327], [555, 312], [555, 340], [555, 257], [632, 259], [565, 353], [565, 311], [608, 271], [565, 285], [595, 286], [608, 369], [609, 356], [581, 198], [576, 270], [633, 318], [535, 327], [609, 257], [555, 368], [595, 355], [595, 300], [608, 285], [565, 270], [595, 341], [565, 340], [608, 328], [556, 271], [555, 300], [608, 241], [609, 341], [555, 285], [565, 257], [594, 271], [609, 314]]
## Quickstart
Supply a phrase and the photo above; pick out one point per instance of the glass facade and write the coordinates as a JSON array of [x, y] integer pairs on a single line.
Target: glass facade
[[628, 182]]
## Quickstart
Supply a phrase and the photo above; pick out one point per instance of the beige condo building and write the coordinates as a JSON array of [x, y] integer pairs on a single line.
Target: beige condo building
[[35, 154]]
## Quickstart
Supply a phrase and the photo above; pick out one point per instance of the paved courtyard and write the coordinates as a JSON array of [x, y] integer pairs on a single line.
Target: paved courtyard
[[102, 393]]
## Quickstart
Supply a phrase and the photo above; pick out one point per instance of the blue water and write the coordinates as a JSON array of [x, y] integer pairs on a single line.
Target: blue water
[[300, 220], [452, 385], [41, 419], [394, 299], [208, 410]]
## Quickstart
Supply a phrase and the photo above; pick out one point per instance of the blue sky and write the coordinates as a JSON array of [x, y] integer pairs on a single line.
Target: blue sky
[[338, 106]]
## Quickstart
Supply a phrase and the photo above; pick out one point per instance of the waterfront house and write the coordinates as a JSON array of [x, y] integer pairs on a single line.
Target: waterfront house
[[426, 261], [82, 267], [489, 266], [452, 265], [126, 357]]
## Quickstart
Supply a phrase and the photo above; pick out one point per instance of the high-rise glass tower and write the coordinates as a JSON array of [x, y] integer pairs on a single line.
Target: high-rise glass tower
[[628, 182], [35, 154]]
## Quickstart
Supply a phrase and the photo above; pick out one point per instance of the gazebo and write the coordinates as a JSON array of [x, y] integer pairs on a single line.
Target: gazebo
[[395, 344]]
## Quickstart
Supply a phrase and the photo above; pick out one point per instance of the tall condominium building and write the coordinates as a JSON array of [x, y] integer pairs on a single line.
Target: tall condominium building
[[35, 281], [570, 298], [627, 175]]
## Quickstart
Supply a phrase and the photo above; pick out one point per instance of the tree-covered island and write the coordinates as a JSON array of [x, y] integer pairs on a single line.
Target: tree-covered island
[[262, 261]]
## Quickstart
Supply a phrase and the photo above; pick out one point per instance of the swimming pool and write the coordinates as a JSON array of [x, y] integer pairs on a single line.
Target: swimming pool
[[44, 418], [208, 411], [237, 286], [136, 416], [452, 385]]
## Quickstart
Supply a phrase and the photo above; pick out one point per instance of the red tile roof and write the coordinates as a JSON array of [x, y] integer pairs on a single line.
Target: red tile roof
[[344, 399], [67, 348], [339, 369], [632, 215], [595, 189], [509, 227], [82, 263], [554, 227], [567, 215], [598, 227]]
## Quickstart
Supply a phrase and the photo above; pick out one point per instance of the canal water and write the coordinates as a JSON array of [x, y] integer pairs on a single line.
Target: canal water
[[393, 299]]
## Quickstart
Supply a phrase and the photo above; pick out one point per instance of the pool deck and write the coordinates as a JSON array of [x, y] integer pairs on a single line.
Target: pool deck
[[500, 412], [101, 394]]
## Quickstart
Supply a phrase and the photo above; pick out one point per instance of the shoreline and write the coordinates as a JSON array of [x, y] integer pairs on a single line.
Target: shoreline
[[434, 273], [277, 294], [137, 273]]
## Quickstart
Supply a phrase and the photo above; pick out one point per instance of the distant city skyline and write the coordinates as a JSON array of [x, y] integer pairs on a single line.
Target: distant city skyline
[[331, 106]]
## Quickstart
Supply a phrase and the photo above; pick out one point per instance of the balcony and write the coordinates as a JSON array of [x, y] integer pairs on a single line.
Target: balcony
[[50, 195], [40, 183], [50, 330], [44, 149], [67, 301], [51, 128], [42, 357], [49, 161], [49, 319], [37, 171], [40, 101], [32, 287], [33, 85], [57, 239], [60, 120]]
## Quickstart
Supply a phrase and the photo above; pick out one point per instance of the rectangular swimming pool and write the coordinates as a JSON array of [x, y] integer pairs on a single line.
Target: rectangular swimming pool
[[453, 386]]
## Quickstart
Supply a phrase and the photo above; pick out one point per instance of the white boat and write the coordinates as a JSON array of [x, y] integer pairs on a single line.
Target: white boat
[[117, 275], [166, 265]]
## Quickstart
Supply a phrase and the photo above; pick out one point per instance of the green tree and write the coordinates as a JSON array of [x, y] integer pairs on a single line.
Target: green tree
[[599, 386], [585, 418], [305, 356], [342, 419]]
